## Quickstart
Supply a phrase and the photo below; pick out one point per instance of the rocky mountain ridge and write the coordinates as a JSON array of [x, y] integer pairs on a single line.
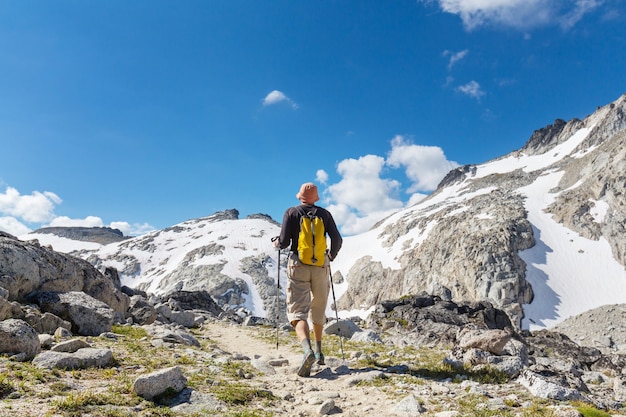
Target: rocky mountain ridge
[[101, 235], [535, 232], [491, 231]]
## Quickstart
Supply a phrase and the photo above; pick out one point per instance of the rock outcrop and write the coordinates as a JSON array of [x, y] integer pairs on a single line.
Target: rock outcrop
[[27, 268], [89, 317], [466, 240], [102, 235]]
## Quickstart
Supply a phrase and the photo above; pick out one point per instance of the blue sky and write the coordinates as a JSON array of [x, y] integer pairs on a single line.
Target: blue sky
[[143, 114]]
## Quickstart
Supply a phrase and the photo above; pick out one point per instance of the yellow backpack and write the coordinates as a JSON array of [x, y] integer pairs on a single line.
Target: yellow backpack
[[311, 239]]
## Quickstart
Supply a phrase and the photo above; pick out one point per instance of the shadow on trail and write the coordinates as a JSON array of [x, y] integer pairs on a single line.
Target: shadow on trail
[[353, 376]]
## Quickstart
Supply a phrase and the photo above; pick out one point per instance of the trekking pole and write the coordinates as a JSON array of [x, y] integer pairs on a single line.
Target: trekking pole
[[332, 286], [277, 294]]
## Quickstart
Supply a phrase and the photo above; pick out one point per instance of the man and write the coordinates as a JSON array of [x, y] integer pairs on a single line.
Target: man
[[309, 285]]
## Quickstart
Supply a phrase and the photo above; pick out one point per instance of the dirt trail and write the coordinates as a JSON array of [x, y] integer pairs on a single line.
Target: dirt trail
[[304, 396], [235, 338]]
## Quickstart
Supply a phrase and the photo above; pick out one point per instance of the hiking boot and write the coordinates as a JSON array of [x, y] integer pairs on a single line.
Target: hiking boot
[[307, 362], [319, 358]]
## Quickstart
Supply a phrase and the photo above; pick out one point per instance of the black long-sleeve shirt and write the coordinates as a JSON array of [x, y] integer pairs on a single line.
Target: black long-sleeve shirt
[[291, 228]]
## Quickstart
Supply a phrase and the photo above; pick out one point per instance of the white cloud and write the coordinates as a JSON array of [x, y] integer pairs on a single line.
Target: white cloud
[[13, 226], [321, 176], [36, 207], [425, 166], [362, 188], [363, 197], [569, 19], [455, 57], [276, 97], [471, 89], [20, 214], [64, 221], [519, 14]]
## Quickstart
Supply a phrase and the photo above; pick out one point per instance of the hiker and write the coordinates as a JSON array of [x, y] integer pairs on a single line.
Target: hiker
[[309, 284]]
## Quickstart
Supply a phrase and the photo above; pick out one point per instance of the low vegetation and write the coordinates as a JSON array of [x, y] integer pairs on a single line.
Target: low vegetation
[[26, 390]]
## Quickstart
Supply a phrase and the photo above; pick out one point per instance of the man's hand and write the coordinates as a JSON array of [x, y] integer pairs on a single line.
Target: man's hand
[[276, 241]]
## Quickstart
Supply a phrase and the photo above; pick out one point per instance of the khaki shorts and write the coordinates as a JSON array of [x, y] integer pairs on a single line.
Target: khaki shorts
[[307, 290]]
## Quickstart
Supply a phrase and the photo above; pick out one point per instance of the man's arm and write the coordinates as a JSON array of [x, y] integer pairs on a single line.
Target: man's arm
[[335, 237], [284, 240]]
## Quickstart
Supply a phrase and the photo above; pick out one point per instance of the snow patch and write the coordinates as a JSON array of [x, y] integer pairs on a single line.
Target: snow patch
[[599, 210], [564, 268]]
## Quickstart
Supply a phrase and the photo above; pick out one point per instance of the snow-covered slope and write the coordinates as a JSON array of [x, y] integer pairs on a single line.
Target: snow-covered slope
[[569, 272], [234, 259], [539, 233]]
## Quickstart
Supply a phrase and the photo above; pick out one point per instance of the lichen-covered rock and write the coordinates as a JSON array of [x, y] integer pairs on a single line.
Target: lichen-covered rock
[[157, 383], [89, 317], [18, 338], [81, 359]]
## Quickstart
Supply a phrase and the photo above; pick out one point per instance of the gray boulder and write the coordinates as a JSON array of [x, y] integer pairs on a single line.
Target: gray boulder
[[326, 408], [170, 334], [46, 341], [62, 333], [184, 318], [164, 311], [81, 359], [492, 341], [194, 300], [89, 317], [70, 346], [18, 338], [541, 387], [47, 323], [477, 360], [27, 267], [343, 328], [427, 320], [159, 382], [366, 336], [409, 406], [141, 311]]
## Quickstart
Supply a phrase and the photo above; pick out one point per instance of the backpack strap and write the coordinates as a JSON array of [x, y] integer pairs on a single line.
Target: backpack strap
[[311, 216]]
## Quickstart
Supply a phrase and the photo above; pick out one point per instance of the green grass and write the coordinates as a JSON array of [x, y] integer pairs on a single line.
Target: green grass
[[589, 411], [131, 332], [77, 401], [249, 413], [6, 386], [238, 393], [475, 406]]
